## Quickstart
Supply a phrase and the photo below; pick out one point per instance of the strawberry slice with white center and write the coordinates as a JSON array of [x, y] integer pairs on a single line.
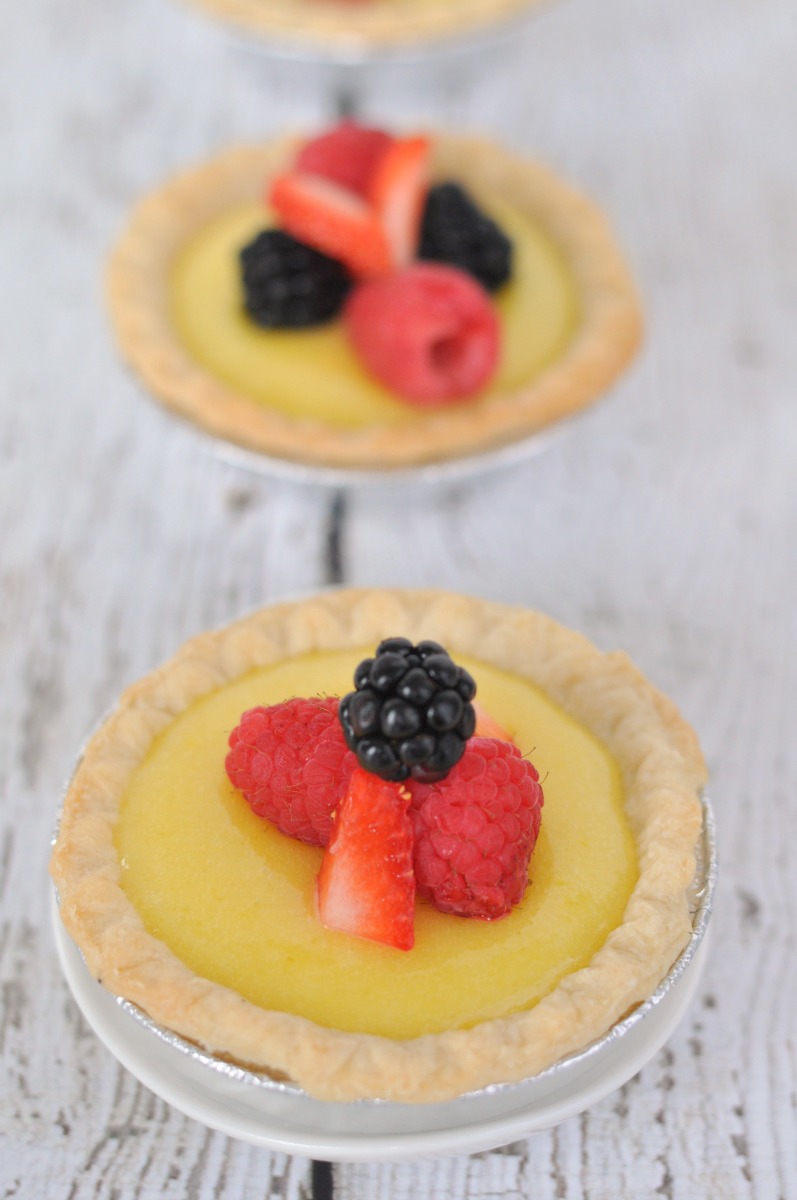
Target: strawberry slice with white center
[[334, 220], [365, 211], [347, 154], [397, 192], [366, 885]]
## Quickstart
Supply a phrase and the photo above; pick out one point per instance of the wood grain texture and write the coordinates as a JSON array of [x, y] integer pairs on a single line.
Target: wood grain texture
[[663, 521]]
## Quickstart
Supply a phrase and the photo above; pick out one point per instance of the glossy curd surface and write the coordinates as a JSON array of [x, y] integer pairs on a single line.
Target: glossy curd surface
[[314, 373], [234, 899]]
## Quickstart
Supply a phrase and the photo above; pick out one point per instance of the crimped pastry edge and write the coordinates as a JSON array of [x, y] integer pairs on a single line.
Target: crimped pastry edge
[[602, 345], [662, 770]]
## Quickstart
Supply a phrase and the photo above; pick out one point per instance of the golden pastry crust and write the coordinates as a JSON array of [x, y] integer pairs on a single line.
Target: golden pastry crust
[[604, 341], [350, 26], [662, 769]]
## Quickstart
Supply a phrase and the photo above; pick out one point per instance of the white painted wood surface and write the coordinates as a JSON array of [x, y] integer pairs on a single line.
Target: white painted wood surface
[[664, 522]]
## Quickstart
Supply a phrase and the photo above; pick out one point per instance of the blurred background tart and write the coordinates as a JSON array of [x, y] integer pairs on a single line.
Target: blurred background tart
[[567, 319], [350, 26]]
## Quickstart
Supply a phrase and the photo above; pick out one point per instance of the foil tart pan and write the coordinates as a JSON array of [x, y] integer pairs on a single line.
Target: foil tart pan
[[281, 1116]]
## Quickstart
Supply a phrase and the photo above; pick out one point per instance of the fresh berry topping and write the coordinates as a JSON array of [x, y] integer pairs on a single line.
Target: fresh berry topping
[[288, 285], [397, 191], [356, 195], [429, 333], [410, 714], [475, 831], [334, 220], [454, 230], [292, 765], [347, 154], [366, 884]]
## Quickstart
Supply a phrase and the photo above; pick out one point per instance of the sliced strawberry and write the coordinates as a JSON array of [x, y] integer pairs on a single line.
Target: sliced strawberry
[[366, 885], [347, 155], [487, 726], [333, 220], [397, 192]]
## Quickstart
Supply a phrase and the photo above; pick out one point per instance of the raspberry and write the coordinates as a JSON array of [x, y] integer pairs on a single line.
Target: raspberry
[[429, 333], [288, 285], [475, 831], [411, 712], [456, 231], [292, 765], [347, 154], [366, 886]]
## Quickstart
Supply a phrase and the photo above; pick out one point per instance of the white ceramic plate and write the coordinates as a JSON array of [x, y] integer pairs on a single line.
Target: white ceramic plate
[[282, 1117]]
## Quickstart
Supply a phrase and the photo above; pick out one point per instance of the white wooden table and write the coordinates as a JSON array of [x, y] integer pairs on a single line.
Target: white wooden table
[[663, 522]]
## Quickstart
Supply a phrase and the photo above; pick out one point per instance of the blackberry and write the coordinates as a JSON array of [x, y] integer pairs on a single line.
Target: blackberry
[[288, 285], [411, 711], [454, 230]]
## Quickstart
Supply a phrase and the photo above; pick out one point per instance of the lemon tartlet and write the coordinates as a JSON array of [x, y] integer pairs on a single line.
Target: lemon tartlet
[[202, 914], [569, 318]]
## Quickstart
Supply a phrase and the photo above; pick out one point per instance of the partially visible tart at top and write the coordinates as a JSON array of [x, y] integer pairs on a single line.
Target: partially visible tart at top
[[362, 25], [542, 345]]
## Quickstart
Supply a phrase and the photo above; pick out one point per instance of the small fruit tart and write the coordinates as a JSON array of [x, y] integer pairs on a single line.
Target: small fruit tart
[[368, 301], [386, 844]]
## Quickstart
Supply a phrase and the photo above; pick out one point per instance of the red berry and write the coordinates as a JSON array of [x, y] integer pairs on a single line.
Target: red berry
[[429, 333], [366, 885], [332, 219], [292, 765], [347, 154], [475, 831], [397, 190], [357, 195]]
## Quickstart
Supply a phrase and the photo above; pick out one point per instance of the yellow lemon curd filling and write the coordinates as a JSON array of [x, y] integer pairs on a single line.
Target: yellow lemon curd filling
[[314, 373], [234, 898]]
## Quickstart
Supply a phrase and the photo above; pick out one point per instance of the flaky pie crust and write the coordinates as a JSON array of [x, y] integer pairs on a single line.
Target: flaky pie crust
[[662, 770], [606, 337]]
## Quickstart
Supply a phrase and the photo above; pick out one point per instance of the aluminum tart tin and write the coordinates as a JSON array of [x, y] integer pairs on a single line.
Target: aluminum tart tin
[[281, 1116]]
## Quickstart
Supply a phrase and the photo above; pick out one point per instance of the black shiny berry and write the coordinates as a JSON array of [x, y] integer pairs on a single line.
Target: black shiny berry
[[416, 686], [454, 230], [364, 713], [410, 713], [288, 285]]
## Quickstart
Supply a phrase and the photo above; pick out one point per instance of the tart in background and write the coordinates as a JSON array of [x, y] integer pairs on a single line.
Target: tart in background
[[568, 319], [365, 25]]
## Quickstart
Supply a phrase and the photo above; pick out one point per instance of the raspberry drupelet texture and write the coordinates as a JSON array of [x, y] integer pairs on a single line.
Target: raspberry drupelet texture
[[411, 712], [475, 831], [292, 764]]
